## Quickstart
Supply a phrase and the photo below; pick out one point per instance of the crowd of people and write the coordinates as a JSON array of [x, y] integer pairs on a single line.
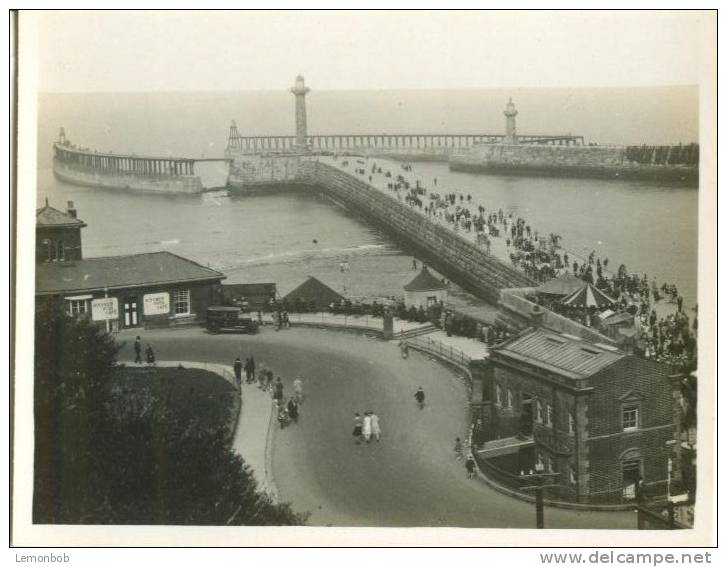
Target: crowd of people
[[287, 410], [542, 257], [366, 427]]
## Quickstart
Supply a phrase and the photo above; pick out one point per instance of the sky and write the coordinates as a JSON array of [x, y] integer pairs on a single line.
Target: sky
[[229, 51]]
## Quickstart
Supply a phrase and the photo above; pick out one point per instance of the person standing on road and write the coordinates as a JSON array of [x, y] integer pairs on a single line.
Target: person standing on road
[[293, 409], [366, 429], [237, 366], [298, 389], [375, 427], [137, 350], [150, 358], [471, 466], [357, 427], [251, 370], [419, 396], [278, 393]]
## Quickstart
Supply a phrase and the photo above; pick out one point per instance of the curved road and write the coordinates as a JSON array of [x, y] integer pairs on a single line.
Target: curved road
[[411, 477]]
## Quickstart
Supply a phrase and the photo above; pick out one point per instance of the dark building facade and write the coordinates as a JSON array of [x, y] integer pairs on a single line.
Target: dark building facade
[[139, 290], [598, 420], [57, 234]]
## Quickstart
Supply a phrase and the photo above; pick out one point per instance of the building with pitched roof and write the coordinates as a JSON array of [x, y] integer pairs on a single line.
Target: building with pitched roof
[[150, 289], [595, 418], [312, 294], [424, 290], [57, 234]]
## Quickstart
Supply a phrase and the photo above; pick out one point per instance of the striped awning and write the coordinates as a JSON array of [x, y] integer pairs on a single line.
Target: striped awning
[[588, 296]]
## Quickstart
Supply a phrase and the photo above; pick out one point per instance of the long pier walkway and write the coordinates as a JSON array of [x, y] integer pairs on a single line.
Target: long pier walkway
[[377, 177]]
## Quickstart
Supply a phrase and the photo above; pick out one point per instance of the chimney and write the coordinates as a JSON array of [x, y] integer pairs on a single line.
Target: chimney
[[71, 210], [537, 314]]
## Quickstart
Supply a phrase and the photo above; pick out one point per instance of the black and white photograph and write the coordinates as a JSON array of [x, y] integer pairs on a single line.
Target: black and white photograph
[[450, 270]]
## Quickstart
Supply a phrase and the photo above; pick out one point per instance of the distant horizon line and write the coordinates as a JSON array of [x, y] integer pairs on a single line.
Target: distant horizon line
[[397, 89]]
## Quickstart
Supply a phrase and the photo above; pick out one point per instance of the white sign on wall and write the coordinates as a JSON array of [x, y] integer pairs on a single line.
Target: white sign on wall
[[105, 309], [156, 303]]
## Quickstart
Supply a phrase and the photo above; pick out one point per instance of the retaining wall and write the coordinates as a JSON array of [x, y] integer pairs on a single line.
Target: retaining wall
[[135, 182], [566, 161], [448, 253]]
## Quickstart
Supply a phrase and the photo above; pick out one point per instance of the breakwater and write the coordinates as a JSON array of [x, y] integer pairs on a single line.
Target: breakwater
[[138, 173], [465, 264], [663, 163]]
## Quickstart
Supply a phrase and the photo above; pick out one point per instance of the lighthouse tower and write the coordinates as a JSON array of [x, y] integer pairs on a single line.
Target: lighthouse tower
[[301, 125], [510, 114]]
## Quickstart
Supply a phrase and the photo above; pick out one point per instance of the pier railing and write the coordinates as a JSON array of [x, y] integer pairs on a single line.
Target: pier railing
[[387, 142]]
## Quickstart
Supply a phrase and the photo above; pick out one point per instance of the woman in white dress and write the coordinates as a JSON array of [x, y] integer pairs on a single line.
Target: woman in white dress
[[375, 427], [367, 426]]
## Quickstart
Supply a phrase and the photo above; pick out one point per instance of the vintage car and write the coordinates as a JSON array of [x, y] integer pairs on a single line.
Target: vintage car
[[222, 319]]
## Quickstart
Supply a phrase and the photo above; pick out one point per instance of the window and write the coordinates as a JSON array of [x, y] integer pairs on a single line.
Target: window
[[539, 411], [180, 301], [498, 394], [431, 300], [509, 398], [61, 250], [548, 415], [630, 417], [572, 475], [51, 251], [571, 423], [77, 306]]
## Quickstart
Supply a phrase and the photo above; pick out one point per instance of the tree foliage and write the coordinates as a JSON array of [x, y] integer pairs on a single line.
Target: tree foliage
[[99, 460]]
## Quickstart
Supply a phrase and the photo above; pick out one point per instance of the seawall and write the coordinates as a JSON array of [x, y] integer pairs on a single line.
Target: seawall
[[567, 161], [136, 182], [462, 262]]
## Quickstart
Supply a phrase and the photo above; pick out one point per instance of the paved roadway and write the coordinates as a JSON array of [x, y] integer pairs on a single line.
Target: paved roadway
[[411, 477]]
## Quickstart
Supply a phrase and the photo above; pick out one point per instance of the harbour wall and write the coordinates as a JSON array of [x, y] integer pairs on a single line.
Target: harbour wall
[[252, 174], [151, 183], [461, 261], [567, 161]]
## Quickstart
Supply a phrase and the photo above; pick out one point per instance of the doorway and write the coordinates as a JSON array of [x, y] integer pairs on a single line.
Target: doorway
[[131, 312]]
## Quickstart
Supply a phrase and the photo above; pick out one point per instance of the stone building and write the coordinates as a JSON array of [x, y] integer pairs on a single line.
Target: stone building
[[152, 289], [598, 419], [425, 290], [57, 234]]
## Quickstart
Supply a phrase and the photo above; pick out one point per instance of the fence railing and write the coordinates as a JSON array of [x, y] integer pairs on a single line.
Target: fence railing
[[439, 349]]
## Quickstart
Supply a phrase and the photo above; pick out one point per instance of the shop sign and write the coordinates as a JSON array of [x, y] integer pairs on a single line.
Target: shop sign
[[105, 309], [156, 303]]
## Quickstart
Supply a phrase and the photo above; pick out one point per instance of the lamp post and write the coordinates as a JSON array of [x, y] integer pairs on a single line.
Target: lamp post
[[538, 478]]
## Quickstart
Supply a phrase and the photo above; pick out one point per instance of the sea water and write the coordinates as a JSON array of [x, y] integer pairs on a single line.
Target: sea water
[[285, 237]]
